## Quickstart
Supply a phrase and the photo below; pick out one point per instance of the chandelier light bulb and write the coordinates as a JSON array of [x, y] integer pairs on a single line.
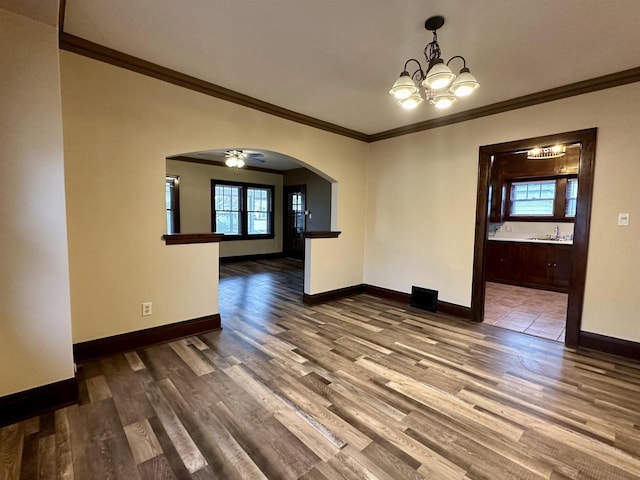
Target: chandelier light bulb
[[404, 87], [444, 101], [439, 76], [464, 84], [411, 102]]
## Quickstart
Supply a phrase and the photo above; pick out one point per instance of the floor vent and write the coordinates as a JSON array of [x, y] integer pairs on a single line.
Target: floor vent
[[424, 298]]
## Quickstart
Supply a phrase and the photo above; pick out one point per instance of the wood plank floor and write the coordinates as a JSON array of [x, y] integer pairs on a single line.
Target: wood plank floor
[[360, 388]]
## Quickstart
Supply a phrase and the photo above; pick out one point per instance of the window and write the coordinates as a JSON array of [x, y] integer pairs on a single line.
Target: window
[[297, 205], [543, 199], [242, 210], [172, 200], [572, 197], [531, 199], [227, 209]]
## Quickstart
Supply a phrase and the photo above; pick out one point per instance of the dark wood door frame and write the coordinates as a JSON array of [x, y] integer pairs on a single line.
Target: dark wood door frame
[[587, 140], [286, 240]]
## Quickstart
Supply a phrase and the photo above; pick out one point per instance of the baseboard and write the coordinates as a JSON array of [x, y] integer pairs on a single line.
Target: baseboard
[[443, 307], [612, 345], [248, 258], [332, 295], [394, 295], [143, 338], [454, 309], [36, 401], [387, 293]]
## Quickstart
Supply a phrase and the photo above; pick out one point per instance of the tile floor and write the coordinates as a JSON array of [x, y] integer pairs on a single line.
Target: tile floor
[[528, 310]]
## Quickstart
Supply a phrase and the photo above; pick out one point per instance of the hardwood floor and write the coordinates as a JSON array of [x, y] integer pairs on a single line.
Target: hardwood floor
[[360, 388]]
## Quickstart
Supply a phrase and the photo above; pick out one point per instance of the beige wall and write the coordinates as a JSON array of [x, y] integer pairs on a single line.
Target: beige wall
[[119, 127], [35, 319], [421, 206], [195, 203]]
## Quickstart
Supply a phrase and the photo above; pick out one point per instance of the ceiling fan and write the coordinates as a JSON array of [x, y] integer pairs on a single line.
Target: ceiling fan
[[235, 157]]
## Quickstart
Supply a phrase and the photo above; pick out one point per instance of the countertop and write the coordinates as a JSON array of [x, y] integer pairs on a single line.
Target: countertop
[[529, 239]]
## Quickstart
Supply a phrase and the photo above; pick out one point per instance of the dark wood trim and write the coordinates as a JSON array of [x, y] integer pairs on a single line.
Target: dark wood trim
[[78, 45], [124, 342], [393, 295], [332, 295], [36, 401], [454, 309], [559, 201], [62, 9], [587, 140], [215, 163], [319, 234], [244, 212], [387, 293], [612, 345], [578, 88], [402, 297], [185, 238], [93, 50], [251, 258], [292, 239]]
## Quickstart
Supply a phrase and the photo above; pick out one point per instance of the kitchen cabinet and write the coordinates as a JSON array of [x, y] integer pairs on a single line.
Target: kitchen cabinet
[[539, 265]]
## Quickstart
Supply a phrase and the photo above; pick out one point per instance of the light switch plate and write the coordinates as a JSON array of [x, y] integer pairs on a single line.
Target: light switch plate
[[623, 219]]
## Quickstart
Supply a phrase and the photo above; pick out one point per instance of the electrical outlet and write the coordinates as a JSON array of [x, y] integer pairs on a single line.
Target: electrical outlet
[[147, 309]]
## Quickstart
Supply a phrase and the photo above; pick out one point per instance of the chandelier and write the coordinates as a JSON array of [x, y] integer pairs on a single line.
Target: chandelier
[[235, 158], [442, 87]]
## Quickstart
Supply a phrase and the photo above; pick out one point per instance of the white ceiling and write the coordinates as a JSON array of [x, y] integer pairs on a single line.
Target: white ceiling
[[45, 11], [335, 60]]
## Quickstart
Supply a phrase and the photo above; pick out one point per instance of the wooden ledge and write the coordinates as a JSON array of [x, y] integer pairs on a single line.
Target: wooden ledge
[[321, 234], [184, 238]]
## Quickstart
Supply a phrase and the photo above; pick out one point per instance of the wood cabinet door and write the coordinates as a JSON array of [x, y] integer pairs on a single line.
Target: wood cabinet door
[[533, 264], [499, 261], [561, 264]]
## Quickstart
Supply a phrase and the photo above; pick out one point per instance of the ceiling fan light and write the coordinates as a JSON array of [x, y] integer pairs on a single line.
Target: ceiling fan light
[[411, 102], [404, 87], [240, 163], [231, 161], [464, 84], [439, 76], [444, 101]]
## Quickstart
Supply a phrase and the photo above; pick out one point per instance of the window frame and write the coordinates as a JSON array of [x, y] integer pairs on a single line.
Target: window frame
[[559, 202], [244, 213]]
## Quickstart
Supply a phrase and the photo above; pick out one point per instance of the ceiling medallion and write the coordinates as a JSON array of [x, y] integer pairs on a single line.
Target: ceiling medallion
[[442, 87]]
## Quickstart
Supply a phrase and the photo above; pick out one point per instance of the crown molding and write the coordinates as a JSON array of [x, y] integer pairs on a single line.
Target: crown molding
[[78, 45], [578, 88], [93, 50]]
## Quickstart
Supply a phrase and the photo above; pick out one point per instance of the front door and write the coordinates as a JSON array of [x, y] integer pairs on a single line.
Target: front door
[[294, 221]]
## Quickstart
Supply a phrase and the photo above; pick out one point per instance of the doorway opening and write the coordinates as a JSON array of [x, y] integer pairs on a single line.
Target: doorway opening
[[294, 223], [254, 206], [518, 242]]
